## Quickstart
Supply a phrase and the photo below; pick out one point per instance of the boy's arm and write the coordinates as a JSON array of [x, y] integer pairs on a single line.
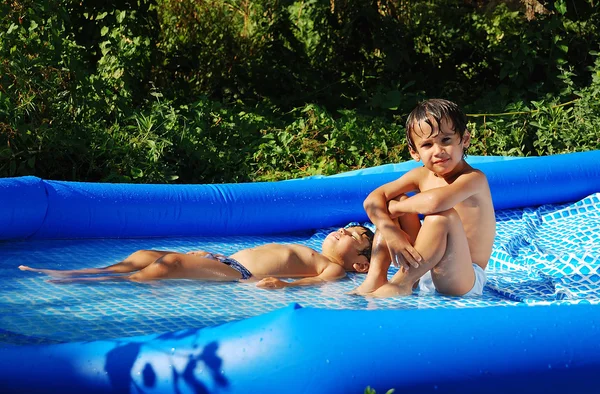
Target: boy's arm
[[441, 198], [331, 273], [376, 205]]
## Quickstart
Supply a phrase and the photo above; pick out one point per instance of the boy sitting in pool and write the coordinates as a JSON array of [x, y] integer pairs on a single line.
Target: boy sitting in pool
[[454, 241], [348, 249]]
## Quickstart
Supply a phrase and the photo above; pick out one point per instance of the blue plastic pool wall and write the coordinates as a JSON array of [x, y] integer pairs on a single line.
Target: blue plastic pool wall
[[38, 209], [533, 349]]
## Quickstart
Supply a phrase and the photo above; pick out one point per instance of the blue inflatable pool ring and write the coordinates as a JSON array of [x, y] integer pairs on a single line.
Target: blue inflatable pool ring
[[517, 349], [54, 209], [298, 350]]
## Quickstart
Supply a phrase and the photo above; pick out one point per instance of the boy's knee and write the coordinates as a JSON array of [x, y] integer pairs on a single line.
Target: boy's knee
[[444, 218], [169, 260], [141, 253], [401, 197], [164, 265]]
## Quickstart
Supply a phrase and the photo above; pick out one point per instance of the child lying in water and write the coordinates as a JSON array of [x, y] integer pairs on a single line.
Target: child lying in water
[[348, 249]]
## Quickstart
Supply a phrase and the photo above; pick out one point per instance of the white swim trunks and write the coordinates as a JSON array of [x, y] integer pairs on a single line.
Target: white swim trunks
[[426, 283], [480, 279]]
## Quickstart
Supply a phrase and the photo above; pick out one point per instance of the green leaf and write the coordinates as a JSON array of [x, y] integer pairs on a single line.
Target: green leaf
[[136, 173], [121, 16], [12, 28], [560, 6]]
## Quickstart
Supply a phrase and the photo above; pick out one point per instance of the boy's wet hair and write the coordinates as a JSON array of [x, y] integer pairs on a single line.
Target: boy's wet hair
[[437, 109], [366, 251]]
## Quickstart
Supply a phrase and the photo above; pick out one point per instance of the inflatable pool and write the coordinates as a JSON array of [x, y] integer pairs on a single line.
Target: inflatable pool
[[536, 332]]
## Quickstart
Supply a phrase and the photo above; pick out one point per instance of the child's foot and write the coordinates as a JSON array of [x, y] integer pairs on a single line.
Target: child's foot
[[367, 287], [391, 290], [53, 273]]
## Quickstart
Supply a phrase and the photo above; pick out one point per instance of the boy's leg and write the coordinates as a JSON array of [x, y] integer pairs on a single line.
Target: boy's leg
[[378, 267], [134, 262], [443, 244], [380, 255], [171, 266], [186, 266]]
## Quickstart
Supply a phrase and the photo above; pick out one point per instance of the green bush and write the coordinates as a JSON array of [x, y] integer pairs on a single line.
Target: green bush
[[208, 91]]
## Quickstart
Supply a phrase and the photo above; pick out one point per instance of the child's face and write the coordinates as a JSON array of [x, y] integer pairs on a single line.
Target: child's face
[[346, 244], [441, 148]]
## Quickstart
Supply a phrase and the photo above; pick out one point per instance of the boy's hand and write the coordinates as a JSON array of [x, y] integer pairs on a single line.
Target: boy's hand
[[271, 284], [403, 254], [394, 213]]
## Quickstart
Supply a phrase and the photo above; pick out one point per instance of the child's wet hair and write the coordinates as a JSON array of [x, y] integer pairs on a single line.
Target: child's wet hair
[[366, 251], [437, 109]]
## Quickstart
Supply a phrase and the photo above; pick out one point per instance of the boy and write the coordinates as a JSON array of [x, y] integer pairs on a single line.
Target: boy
[[348, 249], [455, 240]]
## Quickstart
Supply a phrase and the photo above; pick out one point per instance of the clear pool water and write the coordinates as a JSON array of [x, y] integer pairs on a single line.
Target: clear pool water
[[546, 255]]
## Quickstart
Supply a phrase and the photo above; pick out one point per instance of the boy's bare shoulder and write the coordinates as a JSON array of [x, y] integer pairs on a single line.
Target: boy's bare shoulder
[[418, 174], [476, 175], [474, 180]]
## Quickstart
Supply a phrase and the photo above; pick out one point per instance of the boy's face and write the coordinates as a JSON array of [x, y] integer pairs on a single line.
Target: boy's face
[[440, 148], [346, 244]]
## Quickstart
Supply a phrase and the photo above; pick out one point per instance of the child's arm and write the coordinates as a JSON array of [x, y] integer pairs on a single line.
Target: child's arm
[[331, 273], [441, 198], [376, 205]]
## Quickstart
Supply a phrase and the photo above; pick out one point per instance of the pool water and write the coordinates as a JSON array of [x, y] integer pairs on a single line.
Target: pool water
[[548, 254]]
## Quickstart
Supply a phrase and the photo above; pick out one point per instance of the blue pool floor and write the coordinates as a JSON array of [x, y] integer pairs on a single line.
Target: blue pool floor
[[542, 255]]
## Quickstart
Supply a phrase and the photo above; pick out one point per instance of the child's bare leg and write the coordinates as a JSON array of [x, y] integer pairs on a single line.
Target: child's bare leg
[[134, 262], [186, 266], [378, 267], [443, 245], [380, 257], [87, 279], [171, 266]]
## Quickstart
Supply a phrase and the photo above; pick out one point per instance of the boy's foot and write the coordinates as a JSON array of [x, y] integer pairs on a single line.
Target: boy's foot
[[367, 287], [391, 290], [356, 291], [53, 273]]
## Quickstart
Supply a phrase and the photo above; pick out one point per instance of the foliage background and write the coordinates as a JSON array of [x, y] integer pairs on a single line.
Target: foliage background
[[202, 91]]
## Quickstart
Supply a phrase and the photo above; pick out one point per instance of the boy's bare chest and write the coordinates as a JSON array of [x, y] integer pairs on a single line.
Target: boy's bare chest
[[281, 260], [431, 182], [464, 208]]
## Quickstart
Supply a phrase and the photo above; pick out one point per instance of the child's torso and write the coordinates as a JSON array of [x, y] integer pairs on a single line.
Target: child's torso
[[281, 260], [478, 219]]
